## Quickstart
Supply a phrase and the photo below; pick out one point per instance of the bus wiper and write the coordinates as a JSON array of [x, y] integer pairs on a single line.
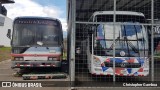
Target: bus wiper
[[118, 39], [131, 45]]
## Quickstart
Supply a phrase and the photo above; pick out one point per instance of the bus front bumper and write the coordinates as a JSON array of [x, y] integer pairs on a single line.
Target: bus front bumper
[[25, 64], [121, 71]]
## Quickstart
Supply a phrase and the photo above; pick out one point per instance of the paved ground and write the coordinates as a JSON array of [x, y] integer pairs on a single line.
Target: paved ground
[[6, 74]]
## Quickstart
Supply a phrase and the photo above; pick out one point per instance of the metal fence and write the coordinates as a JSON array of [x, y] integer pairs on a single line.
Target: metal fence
[[112, 43]]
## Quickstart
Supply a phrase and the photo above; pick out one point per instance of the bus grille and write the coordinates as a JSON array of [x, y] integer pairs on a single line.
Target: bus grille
[[123, 65]]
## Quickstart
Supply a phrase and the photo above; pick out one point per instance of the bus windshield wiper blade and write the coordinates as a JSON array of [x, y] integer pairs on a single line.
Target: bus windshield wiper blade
[[118, 39], [131, 45]]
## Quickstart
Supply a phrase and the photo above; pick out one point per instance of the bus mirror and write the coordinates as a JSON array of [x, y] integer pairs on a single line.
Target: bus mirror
[[78, 50], [9, 33], [92, 29]]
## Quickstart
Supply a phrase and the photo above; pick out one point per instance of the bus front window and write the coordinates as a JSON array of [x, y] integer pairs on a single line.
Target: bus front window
[[130, 39], [44, 31], [50, 36]]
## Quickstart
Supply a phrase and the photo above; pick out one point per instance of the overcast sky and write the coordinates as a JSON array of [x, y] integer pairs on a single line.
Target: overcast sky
[[46, 8], [51, 8]]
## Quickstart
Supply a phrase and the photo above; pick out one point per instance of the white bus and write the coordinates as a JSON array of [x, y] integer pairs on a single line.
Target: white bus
[[131, 44], [36, 42]]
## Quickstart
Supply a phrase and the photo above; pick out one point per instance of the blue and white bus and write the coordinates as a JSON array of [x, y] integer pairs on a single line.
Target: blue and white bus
[[131, 44]]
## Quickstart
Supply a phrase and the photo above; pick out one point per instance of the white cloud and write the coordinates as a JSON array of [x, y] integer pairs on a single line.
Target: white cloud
[[31, 8]]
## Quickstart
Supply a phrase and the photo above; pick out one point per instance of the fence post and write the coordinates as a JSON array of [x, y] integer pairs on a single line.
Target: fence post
[[72, 54], [114, 21], [152, 41]]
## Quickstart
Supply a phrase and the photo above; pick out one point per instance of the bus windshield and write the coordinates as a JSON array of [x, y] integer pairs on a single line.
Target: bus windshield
[[30, 31], [119, 18], [129, 39]]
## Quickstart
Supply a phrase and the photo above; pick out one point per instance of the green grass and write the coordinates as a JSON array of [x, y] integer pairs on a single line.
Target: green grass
[[157, 54], [5, 48], [64, 56], [5, 53]]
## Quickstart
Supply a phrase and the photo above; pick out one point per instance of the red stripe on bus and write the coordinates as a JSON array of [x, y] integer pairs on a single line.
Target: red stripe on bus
[[38, 55], [141, 75], [133, 75], [101, 74], [18, 65], [121, 75]]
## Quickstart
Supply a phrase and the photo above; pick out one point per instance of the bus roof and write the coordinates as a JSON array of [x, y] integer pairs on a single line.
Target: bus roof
[[38, 17], [118, 13]]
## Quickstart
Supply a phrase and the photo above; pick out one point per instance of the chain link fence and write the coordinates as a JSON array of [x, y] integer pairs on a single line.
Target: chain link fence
[[114, 43]]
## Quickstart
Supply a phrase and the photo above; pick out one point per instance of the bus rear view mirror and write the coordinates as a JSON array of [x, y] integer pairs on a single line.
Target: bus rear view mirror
[[9, 33], [92, 29], [78, 50]]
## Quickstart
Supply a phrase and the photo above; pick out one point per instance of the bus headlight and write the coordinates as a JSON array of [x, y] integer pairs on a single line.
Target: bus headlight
[[52, 59], [18, 58], [97, 62]]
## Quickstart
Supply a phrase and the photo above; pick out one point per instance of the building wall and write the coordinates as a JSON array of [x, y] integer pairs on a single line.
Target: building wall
[[3, 31]]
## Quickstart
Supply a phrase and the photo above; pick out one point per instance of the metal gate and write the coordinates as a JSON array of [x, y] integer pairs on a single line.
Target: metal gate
[[114, 43]]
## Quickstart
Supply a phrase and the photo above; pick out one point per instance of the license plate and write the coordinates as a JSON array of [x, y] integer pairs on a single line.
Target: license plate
[[123, 71]]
